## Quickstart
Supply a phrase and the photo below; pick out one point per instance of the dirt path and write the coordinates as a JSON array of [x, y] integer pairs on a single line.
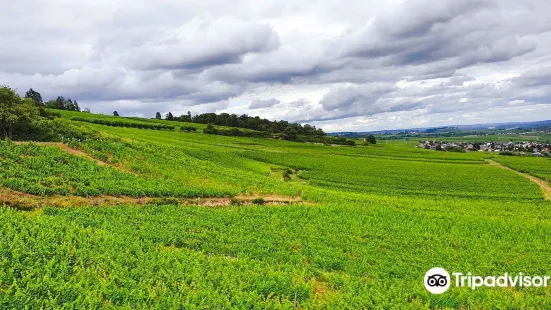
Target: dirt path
[[80, 153], [24, 201], [69, 150], [546, 188]]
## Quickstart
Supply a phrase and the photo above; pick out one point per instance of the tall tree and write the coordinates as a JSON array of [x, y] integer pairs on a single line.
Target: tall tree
[[69, 105], [77, 108], [35, 96], [61, 103], [158, 115], [169, 116], [15, 111], [115, 113]]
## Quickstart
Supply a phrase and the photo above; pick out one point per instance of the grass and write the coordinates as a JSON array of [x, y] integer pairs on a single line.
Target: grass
[[380, 216]]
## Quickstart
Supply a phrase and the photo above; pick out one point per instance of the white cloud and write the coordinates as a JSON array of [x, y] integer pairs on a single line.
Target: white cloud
[[356, 64]]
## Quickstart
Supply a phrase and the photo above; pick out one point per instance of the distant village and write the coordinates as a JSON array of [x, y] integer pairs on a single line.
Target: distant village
[[538, 149]]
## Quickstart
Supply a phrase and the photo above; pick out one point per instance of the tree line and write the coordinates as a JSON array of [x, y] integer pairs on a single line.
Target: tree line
[[245, 121], [235, 132], [27, 119], [60, 103]]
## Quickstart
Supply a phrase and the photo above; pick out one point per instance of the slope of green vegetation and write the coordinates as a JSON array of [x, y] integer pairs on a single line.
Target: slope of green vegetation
[[536, 166], [137, 120], [48, 170], [347, 254], [378, 218], [124, 123]]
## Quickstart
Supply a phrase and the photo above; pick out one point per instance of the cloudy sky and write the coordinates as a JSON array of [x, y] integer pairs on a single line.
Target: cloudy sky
[[340, 65]]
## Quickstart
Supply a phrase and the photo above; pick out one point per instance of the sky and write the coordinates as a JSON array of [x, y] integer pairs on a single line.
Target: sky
[[340, 65]]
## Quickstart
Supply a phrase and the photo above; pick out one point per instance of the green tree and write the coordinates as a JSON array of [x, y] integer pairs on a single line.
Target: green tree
[[115, 113], [169, 116], [61, 103], [15, 112], [210, 129], [158, 115], [35, 96], [290, 134], [371, 139], [76, 107], [69, 105]]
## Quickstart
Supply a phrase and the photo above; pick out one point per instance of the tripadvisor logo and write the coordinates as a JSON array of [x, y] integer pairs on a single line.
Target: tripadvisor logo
[[438, 280]]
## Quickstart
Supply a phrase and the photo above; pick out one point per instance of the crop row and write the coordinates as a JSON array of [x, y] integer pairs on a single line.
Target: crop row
[[124, 123]]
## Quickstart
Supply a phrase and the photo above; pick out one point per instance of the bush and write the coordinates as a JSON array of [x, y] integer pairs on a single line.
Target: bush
[[235, 202], [122, 123], [457, 149], [54, 130], [259, 201], [188, 128], [234, 132]]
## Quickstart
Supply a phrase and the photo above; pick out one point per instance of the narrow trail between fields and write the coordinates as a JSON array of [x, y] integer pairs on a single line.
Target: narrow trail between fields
[[542, 184], [24, 201], [77, 152], [69, 150]]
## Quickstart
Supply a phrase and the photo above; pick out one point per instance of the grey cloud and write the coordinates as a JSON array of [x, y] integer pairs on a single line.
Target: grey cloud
[[287, 65], [425, 40], [259, 103], [344, 97], [118, 83], [449, 95], [457, 33], [416, 18], [200, 43], [149, 108], [537, 77]]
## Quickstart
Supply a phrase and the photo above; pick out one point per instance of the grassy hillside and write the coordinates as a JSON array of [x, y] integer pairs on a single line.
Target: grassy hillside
[[371, 222], [135, 120]]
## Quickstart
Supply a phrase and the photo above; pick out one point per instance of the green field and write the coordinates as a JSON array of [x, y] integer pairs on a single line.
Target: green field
[[538, 167], [372, 220]]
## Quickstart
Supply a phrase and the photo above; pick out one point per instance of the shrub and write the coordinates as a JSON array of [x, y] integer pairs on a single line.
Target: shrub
[[235, 132], [188, 128], [259, 201], [506, 153], [122, 123]]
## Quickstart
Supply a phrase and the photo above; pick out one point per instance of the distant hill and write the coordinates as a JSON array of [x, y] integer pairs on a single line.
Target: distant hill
[[499, 126]]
